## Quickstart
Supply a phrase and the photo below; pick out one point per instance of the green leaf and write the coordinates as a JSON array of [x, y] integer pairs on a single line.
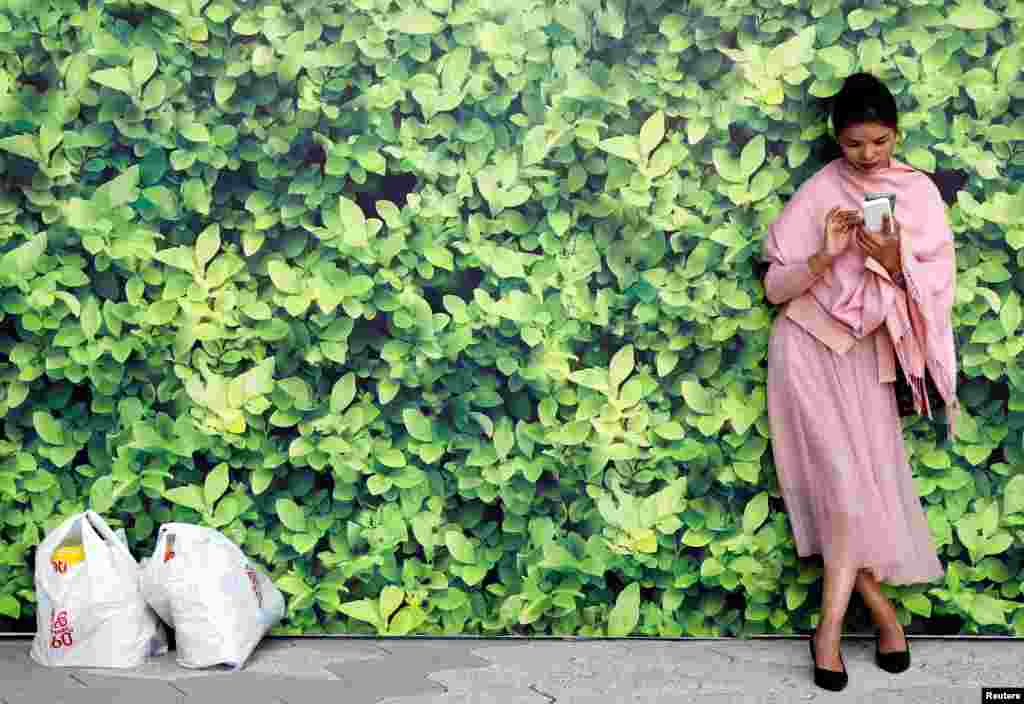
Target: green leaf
[[252, 241], [353, 222], [921, 158], [796, 595], [379, 484], [711, 567], [666, 361], [747, 471], [10, 607], [190, 495], [696, 129], [755, 513], [439, 256], [116, 78], [974, 14], [460, 547], [24, 145], [625, 147], [696, 396], [153, 167], [23, 258], [670, 430], [1010, 315], [101, 494], [144, 63], [343, 393], [696, 538], [291, 515], [456, 68], [793, 52], [195, 194], [423, 525], [560, 222], [391, 597], [593, 378], [418, 425], [753, 156], [622, 364], [860, 19], [284, 277], [993, 272], [535, 145], [392, 457], [207, 245], [48, 428], [1013, 495], [728, 167], [223, 89], [504, 437], [652, 132], [195, 132], [260, 479], [77, 75], [154, 95], [936, 458], [919, 604], [408, 619], [91, 319], [419, 21], [797, 153], [625, 615], [227, 510], [988, 331], [989, 611], [662, 160], [362, 610], [841, 59], [216, 483], [122, 189]]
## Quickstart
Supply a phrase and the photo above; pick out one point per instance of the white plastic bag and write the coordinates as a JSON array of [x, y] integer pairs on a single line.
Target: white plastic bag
[[90, 611], [219, 603]]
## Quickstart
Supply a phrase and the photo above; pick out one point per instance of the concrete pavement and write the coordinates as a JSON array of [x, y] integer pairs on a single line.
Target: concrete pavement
[[464, 670]]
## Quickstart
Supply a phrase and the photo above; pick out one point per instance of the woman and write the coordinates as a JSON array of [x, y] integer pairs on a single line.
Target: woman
[[856, 304]]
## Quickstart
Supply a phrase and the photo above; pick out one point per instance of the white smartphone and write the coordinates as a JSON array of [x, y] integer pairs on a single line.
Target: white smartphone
[[874, 211]]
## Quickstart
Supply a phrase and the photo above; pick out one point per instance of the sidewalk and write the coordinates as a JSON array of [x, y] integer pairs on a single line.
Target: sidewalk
[[519, 671]]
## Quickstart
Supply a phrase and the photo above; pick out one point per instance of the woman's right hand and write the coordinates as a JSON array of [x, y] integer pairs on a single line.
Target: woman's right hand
[[840, 230]]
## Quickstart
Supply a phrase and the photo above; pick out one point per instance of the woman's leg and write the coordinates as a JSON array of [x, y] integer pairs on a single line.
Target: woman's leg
[[838, 586], [882, 611]]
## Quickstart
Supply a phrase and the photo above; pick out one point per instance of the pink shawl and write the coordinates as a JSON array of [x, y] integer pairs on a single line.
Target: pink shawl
[[858, 291]]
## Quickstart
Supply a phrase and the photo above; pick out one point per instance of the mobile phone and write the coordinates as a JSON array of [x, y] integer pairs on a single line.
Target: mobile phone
[[875, 195], [874, 212]]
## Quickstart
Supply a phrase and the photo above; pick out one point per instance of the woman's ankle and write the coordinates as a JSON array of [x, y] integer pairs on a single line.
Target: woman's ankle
[[828, 631]]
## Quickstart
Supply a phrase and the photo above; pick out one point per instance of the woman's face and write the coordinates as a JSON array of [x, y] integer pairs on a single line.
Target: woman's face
[[867, 146]]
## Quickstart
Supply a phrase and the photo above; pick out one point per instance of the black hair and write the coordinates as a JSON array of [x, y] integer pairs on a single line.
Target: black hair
[[863, 98]]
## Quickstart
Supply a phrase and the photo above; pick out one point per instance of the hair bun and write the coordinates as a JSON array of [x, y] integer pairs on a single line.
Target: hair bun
[[863, 98]]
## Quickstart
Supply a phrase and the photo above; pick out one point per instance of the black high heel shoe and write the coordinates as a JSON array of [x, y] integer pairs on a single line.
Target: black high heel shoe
[[892, 662], [828, 679]]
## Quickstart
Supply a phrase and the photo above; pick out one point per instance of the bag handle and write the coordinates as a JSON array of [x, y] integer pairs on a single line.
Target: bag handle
[[95, 521]]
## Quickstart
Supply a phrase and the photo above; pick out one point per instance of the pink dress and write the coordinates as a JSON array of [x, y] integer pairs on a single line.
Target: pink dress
[[837, 443], [842, 469]]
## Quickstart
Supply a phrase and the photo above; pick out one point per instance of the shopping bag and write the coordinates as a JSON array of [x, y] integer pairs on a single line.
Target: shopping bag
[[219, 603], [89, 608]]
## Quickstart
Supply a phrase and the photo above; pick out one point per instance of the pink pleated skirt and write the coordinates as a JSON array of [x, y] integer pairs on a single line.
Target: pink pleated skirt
[[840, 461]]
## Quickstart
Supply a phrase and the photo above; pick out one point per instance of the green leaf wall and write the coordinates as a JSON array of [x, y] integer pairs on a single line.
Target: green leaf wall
[[528, 398]]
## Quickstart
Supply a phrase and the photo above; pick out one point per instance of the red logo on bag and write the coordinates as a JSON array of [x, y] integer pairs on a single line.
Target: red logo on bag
[[255, 585], [169, 548], [61, 630]]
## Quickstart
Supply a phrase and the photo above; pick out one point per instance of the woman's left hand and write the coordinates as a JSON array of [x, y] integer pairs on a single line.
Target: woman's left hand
[[884, 246]]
